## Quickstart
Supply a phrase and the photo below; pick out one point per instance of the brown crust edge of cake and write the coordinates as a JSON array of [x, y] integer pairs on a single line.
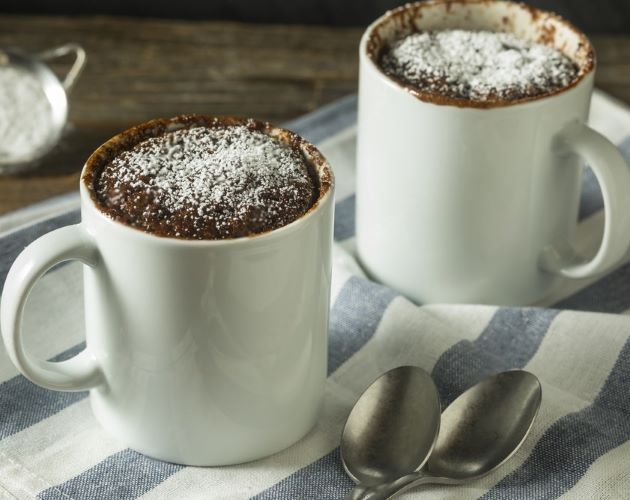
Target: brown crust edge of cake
[[318, 167], [374, 48]]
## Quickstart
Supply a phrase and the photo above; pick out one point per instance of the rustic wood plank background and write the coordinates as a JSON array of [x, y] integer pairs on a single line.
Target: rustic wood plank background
[[143, 69]]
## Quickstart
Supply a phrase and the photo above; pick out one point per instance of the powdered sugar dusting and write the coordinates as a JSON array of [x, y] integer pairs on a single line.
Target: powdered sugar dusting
[[208, 183], [477, 65]]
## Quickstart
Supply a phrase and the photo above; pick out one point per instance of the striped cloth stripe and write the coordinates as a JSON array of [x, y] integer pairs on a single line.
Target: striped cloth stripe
[[50, 446]]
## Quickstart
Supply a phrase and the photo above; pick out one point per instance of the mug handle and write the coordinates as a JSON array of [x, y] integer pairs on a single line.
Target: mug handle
[[82, 371], [613, 176]]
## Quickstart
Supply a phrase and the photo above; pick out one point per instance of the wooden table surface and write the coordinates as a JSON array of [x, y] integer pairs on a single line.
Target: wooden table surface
[[143, 69]]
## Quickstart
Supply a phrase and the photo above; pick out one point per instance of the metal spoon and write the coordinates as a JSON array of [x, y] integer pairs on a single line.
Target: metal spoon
[[480, 431], [391, 429]]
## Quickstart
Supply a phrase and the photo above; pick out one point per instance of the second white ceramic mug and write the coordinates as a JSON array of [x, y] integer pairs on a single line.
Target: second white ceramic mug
[[458, 202], [203, 352]]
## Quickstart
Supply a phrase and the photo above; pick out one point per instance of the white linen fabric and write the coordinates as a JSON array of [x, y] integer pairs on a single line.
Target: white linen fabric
[[577, 342]]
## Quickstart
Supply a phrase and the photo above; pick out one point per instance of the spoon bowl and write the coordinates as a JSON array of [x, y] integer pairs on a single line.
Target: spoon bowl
[[485, 426], [392, 427]]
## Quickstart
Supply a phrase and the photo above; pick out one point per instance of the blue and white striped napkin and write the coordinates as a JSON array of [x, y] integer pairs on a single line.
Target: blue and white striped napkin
[[577, 342]]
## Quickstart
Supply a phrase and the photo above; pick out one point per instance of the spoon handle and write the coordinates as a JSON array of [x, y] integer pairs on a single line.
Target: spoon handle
[[389, 490], [400, 485], [359, 493], [405, 483]]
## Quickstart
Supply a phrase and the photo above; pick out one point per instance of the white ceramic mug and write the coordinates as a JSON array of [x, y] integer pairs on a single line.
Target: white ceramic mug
[[197, 352], [457, 202]]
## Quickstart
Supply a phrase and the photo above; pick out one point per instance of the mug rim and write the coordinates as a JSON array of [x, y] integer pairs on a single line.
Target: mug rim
[[151, 128], [586, 68]]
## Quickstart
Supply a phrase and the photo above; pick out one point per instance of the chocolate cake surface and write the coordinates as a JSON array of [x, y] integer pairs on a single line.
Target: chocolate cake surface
[[220, 181], [477, 66]]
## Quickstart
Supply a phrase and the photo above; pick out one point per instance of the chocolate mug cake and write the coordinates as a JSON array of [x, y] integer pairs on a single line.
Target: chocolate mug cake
[[221, 179], [477, 65]]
